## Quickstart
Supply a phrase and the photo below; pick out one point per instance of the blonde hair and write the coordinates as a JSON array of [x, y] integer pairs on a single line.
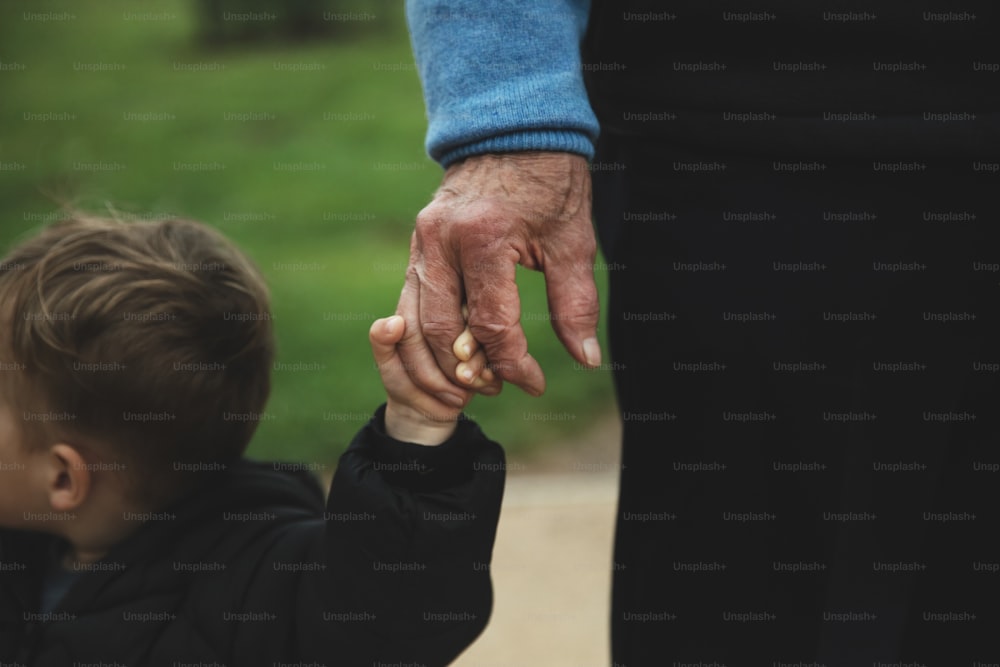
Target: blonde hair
[[150, 342]]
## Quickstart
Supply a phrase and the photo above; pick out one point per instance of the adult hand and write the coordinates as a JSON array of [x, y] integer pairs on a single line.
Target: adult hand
[[491, 213]]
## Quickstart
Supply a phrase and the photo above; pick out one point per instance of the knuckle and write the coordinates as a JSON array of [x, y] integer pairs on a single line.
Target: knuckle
[[413, 270], [497, 338], [585, 248], [441, 333], [507, 369], [428, 219], [580, 303]]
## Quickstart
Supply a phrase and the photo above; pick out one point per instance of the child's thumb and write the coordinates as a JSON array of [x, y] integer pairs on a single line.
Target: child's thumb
[[384, 334]]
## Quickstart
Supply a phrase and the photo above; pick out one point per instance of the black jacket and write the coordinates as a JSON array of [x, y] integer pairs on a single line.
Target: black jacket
[[252, 571]]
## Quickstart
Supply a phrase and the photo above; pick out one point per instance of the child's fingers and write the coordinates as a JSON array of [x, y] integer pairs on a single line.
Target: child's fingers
[[487, 386], [477, 375], [385, 335], [465, 345], [469, 369], [465, 372]]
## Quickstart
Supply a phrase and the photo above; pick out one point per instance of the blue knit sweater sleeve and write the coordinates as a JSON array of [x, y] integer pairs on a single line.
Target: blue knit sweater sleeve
[[501, 76]]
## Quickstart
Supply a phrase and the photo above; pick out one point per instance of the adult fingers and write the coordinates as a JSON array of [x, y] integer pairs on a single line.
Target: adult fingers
[[495, 313], [574, 306], [440, 293], [417, 358]]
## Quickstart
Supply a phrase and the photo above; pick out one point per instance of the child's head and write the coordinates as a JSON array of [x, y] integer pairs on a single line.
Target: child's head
[[145, 348]]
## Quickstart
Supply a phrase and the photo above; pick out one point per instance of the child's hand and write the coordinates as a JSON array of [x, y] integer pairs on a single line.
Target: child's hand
[[411, 414]]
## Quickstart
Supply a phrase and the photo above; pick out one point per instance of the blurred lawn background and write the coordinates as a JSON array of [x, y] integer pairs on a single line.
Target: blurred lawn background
[[306, 150]]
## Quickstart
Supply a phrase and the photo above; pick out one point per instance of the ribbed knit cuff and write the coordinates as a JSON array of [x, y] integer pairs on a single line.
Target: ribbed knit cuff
[[558, 141]]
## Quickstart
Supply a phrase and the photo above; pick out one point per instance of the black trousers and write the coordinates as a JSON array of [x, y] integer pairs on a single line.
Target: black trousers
[[806, 358]]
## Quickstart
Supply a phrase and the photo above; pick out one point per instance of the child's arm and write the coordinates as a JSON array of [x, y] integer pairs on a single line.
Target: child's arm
[[402, 572]]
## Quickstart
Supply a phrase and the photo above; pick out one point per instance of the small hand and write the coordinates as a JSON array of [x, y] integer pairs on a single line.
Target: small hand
[[413, 415]]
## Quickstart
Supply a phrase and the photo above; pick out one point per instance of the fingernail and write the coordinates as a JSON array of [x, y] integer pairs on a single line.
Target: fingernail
[[467, 350], [465, 372], [592, 352], [391, 324]]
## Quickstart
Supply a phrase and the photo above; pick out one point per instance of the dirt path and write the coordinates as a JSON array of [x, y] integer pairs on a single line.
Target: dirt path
[[552, 560]]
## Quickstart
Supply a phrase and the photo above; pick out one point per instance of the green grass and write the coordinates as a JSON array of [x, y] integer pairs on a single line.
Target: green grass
[[320, 186]]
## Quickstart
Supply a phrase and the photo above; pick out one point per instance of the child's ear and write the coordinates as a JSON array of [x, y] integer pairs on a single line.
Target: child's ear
[[68, 478]]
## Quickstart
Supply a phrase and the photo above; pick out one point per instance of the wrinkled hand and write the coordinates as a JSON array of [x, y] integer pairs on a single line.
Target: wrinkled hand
[[491, 213]]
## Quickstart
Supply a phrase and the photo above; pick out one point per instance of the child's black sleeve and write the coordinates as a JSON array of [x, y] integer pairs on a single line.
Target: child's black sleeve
[[10, 606], [409, 538]]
